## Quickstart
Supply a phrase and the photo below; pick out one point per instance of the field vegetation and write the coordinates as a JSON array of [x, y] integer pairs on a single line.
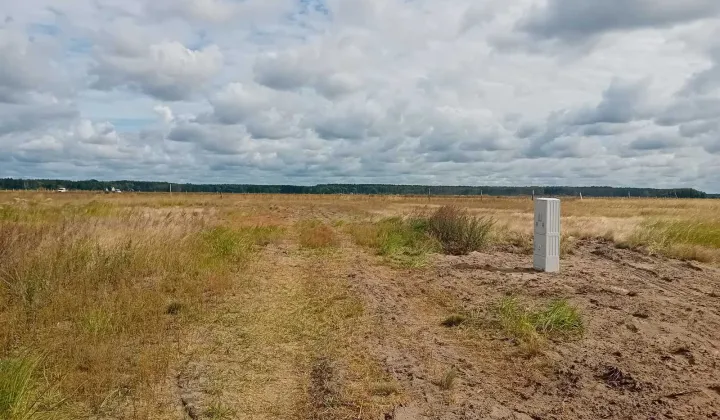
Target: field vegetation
[[108, 302]]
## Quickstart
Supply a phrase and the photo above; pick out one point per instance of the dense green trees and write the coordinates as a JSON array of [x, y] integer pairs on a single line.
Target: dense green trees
[[150, 186]]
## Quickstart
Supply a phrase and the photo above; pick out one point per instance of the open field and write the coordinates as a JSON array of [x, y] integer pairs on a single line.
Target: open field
[[159, 306]]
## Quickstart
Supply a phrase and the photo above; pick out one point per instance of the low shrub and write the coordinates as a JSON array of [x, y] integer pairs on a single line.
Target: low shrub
[[458, 231]]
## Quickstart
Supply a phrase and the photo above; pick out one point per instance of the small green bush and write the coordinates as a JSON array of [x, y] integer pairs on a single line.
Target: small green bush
[[458, 231]]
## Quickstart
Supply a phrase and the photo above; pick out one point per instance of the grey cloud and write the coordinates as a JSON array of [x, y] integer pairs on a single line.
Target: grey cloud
[[707, 80], [713, 146], [281, 72], [694, 129], [19, 118], [621, 103], [604, 129], [685, 110], [656, 142], [165, 70], [526, 130], [342, 127], [220, 139], [574, 20], [27, 70], [291, 70]]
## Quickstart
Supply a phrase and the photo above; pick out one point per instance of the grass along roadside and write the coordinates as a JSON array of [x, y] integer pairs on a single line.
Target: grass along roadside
[[687, 239], [103, 300]]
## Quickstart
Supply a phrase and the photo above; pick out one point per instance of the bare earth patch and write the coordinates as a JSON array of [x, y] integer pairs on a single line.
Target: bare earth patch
[[650, 350]]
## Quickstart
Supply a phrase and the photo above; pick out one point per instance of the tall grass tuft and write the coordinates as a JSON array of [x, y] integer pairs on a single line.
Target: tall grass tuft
[[458, 231], [21, 397]]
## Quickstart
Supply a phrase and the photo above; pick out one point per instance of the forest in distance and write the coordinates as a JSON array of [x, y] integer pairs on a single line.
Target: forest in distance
[[369, 189]]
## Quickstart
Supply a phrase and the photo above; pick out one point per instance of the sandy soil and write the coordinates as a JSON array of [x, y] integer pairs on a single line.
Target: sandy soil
[[651, 347]]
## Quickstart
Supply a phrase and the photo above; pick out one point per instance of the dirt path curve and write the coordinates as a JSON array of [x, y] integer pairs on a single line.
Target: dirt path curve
[[242, 363]]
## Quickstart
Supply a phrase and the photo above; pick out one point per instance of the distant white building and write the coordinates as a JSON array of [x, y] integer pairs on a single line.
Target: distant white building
[[115, 190]]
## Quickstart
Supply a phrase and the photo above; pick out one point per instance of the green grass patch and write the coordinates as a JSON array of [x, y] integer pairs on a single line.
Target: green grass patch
[[223, 243], [407, 241], [663, 234], [402, 242], [21, 395], [531, 326]]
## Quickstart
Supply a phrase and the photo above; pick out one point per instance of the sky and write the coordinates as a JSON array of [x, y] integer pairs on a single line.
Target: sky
[[439, 92]]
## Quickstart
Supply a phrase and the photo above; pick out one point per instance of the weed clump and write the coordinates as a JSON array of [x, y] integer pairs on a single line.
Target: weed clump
[[447, 380], [385, 389], [531, 327], [458, 231]]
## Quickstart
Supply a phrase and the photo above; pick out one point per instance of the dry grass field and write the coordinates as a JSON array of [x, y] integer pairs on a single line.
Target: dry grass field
[[160, 306]]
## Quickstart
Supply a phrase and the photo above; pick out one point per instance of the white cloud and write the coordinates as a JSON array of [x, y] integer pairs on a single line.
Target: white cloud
[[165, 113], [166, 70], [497, 92]]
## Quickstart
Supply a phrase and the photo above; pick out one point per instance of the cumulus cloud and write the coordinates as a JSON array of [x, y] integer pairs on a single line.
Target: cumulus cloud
[[166, 70], [28, 72], [165, 113], [364, 91]]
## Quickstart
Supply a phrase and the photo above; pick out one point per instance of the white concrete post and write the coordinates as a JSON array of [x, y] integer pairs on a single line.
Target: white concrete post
[[547, 235]]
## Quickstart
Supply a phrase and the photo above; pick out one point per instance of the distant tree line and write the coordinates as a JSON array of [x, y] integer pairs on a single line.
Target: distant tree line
[[380, 189]]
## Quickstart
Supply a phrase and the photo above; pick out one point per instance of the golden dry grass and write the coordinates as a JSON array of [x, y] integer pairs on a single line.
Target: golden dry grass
[[314, 234], [101, 295]]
